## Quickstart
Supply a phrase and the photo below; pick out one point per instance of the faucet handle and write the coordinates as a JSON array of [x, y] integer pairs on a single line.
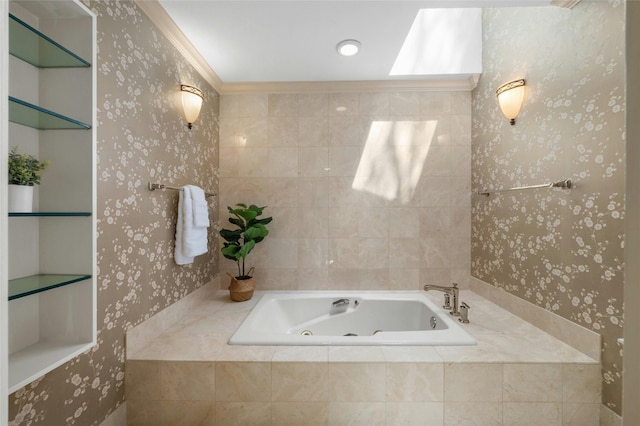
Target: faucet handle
[[464, 313], [447, 302]]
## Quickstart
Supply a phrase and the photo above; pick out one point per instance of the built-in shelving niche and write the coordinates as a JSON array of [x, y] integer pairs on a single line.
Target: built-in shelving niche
[[50, 214], [36, 117], [37, 49], [26, 286], [51, 257]]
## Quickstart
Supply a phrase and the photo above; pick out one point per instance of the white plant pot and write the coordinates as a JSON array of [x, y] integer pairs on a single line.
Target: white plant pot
[[20, 199]]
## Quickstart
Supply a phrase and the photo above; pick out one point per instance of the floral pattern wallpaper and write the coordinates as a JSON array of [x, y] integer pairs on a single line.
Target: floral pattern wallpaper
[[560, 249], [141, 137]]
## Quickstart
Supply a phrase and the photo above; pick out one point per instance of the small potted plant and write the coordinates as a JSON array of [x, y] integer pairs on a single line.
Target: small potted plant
[[250, 230], [24, 172]]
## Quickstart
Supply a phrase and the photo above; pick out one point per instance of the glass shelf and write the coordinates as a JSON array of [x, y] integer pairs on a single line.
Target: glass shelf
[[49, 214], [26, 286], [30, 115], [30, 45]]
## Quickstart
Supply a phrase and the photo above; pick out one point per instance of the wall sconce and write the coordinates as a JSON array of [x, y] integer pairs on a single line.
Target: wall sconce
[[192, 98], [510, 96]]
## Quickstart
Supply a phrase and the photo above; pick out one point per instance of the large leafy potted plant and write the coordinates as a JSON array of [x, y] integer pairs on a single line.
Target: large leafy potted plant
[[250, 230], [24, 172]]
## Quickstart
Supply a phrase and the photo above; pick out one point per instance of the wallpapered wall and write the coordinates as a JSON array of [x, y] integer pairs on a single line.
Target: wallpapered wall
[[367, 191], [141, 137], [562, 250]]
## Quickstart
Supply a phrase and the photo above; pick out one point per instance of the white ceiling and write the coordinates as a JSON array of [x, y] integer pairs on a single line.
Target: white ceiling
[[295, 41]]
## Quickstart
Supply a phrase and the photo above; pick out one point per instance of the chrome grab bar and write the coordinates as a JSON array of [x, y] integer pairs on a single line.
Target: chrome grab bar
[[565, 184], [153, 186]]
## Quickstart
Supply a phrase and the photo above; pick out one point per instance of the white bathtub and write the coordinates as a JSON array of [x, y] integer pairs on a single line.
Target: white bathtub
[[371, 318]]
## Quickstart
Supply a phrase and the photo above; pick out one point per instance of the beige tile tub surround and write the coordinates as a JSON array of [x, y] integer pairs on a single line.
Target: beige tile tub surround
[[573, 334], [608, 417], [139, 336], [188, 375], [299, 154]]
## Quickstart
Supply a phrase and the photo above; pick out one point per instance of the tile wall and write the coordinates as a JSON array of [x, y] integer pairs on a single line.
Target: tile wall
[[363, 393], [367, 190]]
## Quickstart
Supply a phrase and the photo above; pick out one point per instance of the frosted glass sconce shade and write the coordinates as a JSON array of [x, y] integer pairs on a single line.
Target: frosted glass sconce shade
[[510, 97], [192, 98]]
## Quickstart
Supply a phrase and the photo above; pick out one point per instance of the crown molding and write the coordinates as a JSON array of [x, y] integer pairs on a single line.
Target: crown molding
[[568, 4], [466, 84], [168, 27], [154, 10]]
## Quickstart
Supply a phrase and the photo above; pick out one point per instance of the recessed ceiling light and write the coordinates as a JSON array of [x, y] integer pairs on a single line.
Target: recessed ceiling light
[[348, 47]]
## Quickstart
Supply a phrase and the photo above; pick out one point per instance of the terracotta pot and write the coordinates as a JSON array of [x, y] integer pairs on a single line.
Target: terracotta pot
[[241, 288]]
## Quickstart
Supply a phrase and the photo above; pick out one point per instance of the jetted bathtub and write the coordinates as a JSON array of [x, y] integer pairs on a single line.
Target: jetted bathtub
[[349, 318]]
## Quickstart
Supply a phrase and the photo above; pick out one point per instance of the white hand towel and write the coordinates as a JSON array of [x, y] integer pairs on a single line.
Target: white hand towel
[[200, 207], [191, 240], [194, 238], [179, 256]]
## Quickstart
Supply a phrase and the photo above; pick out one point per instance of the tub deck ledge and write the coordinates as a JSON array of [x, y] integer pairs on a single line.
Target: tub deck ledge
[[502, 337]]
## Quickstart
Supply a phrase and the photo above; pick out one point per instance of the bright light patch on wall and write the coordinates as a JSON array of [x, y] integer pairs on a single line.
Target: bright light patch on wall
[[393, 158], [442, 42]]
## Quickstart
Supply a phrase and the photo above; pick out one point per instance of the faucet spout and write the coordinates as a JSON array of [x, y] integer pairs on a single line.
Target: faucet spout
[[452, 291], [340, 303]]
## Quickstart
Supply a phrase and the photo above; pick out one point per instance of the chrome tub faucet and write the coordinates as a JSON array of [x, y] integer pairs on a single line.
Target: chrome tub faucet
[[340, 302], [340, 305], [451, 296]]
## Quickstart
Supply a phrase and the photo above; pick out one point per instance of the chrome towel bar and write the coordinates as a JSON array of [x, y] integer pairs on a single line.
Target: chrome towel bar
[[565, 184], [154, 186]]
